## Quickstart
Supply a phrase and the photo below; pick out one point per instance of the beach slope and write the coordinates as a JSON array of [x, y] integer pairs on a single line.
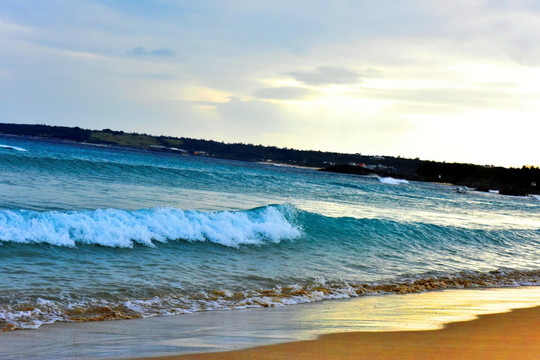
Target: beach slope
[[513, 335]]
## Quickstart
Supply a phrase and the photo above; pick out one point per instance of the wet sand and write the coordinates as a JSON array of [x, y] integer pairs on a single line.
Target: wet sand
[[513, 335]]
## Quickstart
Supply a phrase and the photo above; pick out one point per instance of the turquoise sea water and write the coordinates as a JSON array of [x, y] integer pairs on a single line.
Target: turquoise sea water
[[92, 233]]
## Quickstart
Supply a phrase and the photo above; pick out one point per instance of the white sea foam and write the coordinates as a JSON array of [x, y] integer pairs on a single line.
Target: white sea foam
[[121, 228], [392, 181], [12, 147], [32, 314]]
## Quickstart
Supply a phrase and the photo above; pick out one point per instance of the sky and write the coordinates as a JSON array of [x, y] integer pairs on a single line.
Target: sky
[[455, 81]]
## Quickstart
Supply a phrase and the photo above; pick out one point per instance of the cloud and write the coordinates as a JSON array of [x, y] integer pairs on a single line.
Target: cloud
[[327, 75], [453, 99], [284, 93], [241, 120], [429, 63], [158, 52]]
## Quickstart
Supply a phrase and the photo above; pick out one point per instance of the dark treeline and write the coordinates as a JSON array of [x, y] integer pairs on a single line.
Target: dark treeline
[[525, 180], [508, 181], [250, 152], [53, 132], [234, 151]]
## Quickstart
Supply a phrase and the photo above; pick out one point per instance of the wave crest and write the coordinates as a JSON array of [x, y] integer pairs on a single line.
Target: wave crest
[[392, 181], [123, 229], [10, 147]]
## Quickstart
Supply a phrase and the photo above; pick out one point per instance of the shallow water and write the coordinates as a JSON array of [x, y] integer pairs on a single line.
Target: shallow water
[[93, 233]]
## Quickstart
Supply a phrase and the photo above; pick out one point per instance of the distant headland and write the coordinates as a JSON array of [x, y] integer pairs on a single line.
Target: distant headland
[[506, 181]]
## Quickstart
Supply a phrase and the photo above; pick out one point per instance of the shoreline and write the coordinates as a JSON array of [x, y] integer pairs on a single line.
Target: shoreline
[[460, 174], [342, 168], [279, 164], [510, 335], [212, 332]]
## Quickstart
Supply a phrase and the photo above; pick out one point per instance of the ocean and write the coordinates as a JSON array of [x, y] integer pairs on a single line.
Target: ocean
[[91, 233]]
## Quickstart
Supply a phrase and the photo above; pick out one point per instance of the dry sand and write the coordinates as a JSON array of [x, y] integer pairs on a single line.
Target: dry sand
[[514, 335]]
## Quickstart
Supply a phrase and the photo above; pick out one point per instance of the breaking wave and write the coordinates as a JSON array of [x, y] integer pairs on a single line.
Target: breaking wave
[[123, 229], [392, 181], [11, 147]]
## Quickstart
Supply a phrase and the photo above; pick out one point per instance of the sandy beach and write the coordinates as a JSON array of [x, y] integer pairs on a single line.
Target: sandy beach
[[513, 335]]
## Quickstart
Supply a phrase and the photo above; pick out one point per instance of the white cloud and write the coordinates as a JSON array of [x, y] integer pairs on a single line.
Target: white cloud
[[244, 120]]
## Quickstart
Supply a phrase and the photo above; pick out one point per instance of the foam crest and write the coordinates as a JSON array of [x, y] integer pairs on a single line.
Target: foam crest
[[392, 181], [32, 314], [121, 228], [12, 147]]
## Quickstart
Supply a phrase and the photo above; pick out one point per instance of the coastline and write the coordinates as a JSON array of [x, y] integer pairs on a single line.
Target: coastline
[[279, 164], [215, 332], [457, 174], [512, 335]]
